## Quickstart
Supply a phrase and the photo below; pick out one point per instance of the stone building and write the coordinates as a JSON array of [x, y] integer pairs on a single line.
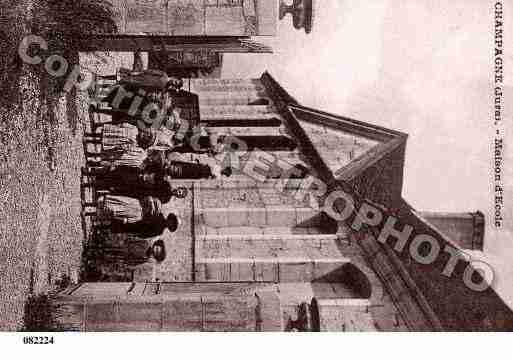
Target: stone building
[[196, 17], [258, 251], [188, 38]]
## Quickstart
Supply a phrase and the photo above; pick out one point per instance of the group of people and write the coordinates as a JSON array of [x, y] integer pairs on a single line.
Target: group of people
[[137, 163]]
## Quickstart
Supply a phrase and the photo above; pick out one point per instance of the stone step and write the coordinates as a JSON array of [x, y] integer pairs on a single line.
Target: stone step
[[244, 110], [269, 216], [272, 234], [313, 247], [258, 120], [270, 185], [281, 166], [270, 260], [225, 85], [274, 270], [296, 293], [232, 98], [232, 117], [240, 176], [248, 131], [265, 232], [268, 142], [245, 193], [345, 315]]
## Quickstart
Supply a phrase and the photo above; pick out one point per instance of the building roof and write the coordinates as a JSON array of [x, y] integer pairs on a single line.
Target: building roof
[[446, 298]]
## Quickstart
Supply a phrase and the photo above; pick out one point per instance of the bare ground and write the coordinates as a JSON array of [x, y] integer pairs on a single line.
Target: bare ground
[[40, 227], [40, 159]]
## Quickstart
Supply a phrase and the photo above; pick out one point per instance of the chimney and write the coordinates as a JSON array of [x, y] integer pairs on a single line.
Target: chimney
[[464, 229]]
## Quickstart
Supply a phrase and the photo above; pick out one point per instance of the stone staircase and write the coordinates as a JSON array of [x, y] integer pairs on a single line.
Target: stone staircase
[[265, 244]]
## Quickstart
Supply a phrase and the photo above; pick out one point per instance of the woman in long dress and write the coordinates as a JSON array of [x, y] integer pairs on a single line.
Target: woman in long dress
[[142, 217], [167, 162], [139, 183], [119, 137], [135, 251], [139, 251], [149, 80], [128, 146], [135, 161], [161, 138], [188, 170], [126, 210], [133, 157], [138, 91]]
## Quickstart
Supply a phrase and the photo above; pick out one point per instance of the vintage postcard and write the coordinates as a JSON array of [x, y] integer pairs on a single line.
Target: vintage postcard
[[256, 166]]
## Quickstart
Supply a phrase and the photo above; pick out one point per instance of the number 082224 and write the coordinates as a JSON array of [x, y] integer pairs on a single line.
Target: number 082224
[[38, 340]]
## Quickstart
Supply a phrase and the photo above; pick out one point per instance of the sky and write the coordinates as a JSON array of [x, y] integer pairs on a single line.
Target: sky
[[423, 67]]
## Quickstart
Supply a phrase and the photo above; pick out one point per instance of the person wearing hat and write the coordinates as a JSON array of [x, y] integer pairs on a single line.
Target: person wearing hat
[[139, 251], [149, 80], [142, 217], [138, 183], [138, 95]]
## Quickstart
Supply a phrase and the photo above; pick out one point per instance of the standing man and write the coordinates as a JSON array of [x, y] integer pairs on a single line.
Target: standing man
[[140, 94]]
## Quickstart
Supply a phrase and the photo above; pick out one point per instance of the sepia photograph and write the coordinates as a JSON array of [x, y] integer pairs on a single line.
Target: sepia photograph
[[255, 166]]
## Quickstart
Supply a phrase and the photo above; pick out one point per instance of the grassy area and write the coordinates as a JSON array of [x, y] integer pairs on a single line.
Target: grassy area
[[40, 152]]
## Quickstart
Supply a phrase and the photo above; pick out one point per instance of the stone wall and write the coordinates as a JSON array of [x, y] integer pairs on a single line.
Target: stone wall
[[382, 182], [196, 17], [456, 305]]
